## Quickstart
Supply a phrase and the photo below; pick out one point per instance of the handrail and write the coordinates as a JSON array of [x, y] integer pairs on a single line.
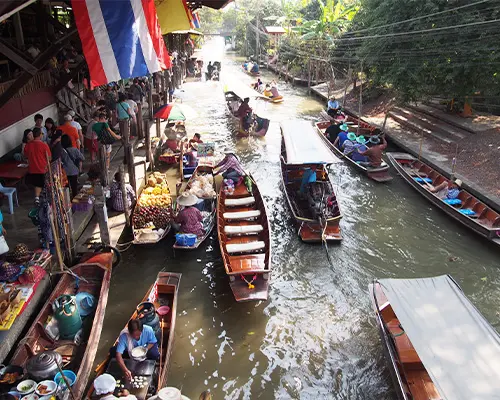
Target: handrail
[[41, 80]]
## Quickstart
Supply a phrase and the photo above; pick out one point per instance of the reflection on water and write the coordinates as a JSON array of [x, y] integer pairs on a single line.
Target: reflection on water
[[316, 336]]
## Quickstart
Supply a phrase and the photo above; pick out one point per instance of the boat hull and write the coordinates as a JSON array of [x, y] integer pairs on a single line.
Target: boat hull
[[491, 233]]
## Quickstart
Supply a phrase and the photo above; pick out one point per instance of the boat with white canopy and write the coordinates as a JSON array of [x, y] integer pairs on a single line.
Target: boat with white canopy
[[309, 192], [439, 345]]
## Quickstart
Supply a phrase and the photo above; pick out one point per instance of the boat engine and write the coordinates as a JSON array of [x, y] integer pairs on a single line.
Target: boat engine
[[316, 199]]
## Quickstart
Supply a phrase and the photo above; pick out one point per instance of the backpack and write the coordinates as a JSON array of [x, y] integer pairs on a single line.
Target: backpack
[[104, 137]]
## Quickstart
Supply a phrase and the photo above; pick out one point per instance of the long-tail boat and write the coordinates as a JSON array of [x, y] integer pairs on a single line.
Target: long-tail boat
[[315, 209], [92, 276], [439, 346], [466, 209], [210, 207], [245, 240], [163, 292], [235, 93], [378, 174]]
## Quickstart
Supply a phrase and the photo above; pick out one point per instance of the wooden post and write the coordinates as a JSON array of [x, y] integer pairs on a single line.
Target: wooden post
[[147, 141], [385, 120], [125, 134], [69, 228], [348, 80], [102, 218], [150, 102], [309, 77], [126, 210], [131, 167], [140, 133], [103, 165], [360, 99]]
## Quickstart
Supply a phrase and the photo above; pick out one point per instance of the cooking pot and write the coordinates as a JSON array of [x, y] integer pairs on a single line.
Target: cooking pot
[[44, 365]]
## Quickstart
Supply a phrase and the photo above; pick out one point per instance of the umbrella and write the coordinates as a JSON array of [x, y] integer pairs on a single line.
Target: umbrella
[[175, 112]]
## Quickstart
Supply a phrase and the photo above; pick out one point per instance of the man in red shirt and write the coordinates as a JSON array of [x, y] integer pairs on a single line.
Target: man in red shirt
[[38, 155], [374, 153], [71, 131]]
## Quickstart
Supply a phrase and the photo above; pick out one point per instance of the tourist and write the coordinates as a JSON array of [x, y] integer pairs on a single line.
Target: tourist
[[333, 107], [116, 200], [27, 137], [447, 189], [341, 137], [123, 108], [71, 131], [133, 104], [55, 145], [136, 91], [134, 109], [258, 85], [374, 153], [90, 140], [105, 386], [38, 154], [38, 124], [210, 69], [194, 141], [255, 68], [333, 131], [274, 91], [189, 219], [72, 162], [50, 127], [105, 135], [134, 335], [77, 126], [360, 146], [308, 177], [110, 100], [349, 144]]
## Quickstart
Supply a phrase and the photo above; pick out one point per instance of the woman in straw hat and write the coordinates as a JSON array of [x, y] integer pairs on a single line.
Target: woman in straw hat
[[189, 218]]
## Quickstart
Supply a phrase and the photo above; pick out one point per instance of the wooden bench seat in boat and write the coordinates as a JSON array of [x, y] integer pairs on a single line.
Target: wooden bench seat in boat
[[253, 262], [421, 385], [239, 191], [241, 214], [243, 229], [404, 347], [241, 201], [245, 247]]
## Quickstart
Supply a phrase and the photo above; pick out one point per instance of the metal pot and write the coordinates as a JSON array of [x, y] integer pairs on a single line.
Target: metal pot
[[44, 365]]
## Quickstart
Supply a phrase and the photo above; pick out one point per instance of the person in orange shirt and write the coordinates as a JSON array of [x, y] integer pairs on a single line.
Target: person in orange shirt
[[71, 131]]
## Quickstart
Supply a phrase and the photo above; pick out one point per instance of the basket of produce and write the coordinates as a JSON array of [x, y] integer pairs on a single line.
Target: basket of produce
[[152, 216]]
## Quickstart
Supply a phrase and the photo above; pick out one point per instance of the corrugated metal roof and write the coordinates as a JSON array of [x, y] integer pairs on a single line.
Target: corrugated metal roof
[[275, 29]]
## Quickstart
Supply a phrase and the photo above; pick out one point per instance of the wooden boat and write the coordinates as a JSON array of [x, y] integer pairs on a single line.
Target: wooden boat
[[378, 174], [95, 275], [274, 100], [316, 212], [163, 292], [210, 204], [250, 72], [149, 206], [235, 93], [435, 339], [245, 241], [478, 217]]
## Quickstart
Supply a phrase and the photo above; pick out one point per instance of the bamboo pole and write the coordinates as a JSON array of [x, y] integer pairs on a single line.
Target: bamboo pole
[[360, 100], [55, 233]]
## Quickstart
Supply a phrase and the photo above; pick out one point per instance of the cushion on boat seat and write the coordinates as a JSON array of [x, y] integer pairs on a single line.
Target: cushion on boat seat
[[245, 247], [242, 201], [467, 211], [453, 202], [242, 214], [422, 180], [242, 230]]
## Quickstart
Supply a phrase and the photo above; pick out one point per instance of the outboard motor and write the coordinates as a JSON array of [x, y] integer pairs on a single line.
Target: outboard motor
[[315, 199]]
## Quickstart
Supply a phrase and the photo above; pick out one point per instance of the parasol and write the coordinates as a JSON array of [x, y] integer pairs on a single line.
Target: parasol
[[175, 112]]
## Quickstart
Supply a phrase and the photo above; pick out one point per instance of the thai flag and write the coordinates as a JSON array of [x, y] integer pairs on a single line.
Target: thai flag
[[120, 38]]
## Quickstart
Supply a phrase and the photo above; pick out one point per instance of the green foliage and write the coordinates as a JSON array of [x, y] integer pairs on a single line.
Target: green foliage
[[451, 62]]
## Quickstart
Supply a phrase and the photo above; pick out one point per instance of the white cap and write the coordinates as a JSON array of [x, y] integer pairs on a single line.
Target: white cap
[[71, 112], [68, 117], [169, 393], [104, 384]]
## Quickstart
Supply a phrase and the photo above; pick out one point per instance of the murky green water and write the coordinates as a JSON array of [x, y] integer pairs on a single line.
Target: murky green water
[[316, 337]]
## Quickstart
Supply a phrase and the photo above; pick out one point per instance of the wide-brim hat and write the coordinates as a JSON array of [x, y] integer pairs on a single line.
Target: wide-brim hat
[[458, 182], [170, 393], [351, 136], [361, 139], [344, 127], [186, 199], [375, 140], [104, 384], [86, 303]]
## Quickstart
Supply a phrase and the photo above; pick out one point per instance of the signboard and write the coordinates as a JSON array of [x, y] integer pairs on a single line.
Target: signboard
[[206, 149]]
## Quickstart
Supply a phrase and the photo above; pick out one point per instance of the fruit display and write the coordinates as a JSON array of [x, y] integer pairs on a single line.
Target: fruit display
[[153, 208]]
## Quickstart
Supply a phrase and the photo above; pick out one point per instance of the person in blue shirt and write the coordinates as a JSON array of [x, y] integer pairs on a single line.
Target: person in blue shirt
[[360, 146], [123, 108], [308, 177], [136, 334], [342, 137], [333, 107]]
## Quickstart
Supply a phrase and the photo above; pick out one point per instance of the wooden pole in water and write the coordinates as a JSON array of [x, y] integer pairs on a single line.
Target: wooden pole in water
[[360, 99], [421, 143], [309, 77], [348, 79]]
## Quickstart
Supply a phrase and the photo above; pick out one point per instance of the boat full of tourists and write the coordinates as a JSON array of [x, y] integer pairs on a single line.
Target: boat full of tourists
[[308, 190], [439, 346]]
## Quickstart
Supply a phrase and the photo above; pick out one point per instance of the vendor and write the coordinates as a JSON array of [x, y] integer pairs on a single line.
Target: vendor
[[136, 334], [105, 386], [116, 200], [189, 219]]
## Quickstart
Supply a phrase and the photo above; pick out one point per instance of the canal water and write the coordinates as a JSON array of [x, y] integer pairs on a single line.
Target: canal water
[[316, 337]]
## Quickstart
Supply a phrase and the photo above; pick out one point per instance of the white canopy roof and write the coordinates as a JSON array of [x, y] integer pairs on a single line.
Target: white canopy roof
[[304, 145], [458, 347]]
